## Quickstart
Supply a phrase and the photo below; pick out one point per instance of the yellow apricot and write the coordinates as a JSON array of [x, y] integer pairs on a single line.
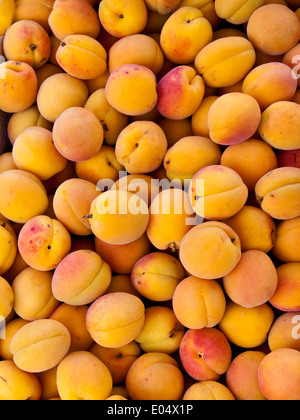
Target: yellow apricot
[[141, 147], [184, 34], [119, 217], [40, 345], [22, 196], [225, 61], [131, 89], [22, 386], [34, 151], [121, 18], [82, 57], [82, 376], [115, 319]]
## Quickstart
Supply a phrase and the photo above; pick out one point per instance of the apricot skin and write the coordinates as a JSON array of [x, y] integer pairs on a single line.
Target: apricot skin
[[222, 247], [279, 376], [115, 319], [18, 86]]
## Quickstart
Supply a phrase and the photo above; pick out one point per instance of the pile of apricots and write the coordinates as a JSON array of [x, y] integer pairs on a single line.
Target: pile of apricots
[[180, 280]]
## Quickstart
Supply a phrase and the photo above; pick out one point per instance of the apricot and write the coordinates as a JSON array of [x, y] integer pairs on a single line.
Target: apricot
[[253, 281], [20, 121], [205, 354], [176, 129], [199, 303], [180, 93], [199, 119], [184, 34], [115, 319], [208, 390], [141, 147], [144, 186], [7, 10], [238, 12], [43, 243], [122, 258], [8, 247], [131, 89], [161, 332], [255, 228], [40, 345], [225, 61], [73, 318], [242, 376], [82, 57], [233, 118], [210, 250], [213, 186], [140, 49], [177, 161], [79, 15], [18, 385], [72, 202], [273, 127], [121, 19], [81, 376], [247, 327], [283, 333], [113, 122], [155, 376], [171, 218], [251, 159], [278, 193], [114, 214], [286, 246], [18, 86], [262, 84], [34, 151], [156, 276], [22, 196], [58, 93], [33, 295], [278, 375], [118, 360], [78, 134], [36, 10], [7, 298], [81, 278], [286, 296], [27, 41], [273, 29], [11, 328]]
